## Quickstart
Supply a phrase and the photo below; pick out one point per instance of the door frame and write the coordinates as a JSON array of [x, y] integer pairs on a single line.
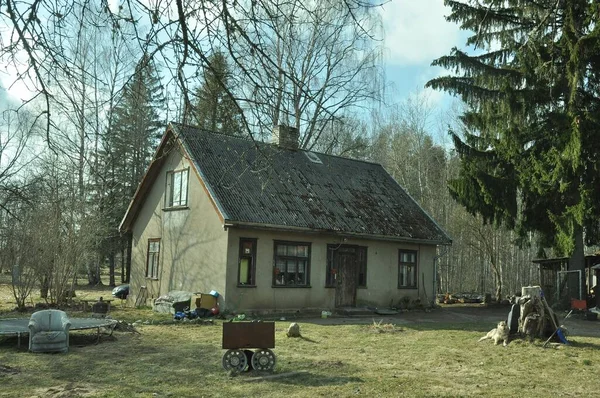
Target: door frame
[[340, 285]]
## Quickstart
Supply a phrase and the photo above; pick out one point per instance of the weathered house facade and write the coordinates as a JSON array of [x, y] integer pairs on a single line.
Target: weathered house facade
[[271, 227]]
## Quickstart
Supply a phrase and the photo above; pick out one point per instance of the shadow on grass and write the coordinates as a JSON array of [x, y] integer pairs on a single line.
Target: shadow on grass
[[313, 380], [137, 361], [482, 327], [308, 339], [467, 318], [578, 344], [79, 339], [10, 342]]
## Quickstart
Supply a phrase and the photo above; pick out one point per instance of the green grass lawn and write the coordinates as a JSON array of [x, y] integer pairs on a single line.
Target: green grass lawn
[[184, 360]]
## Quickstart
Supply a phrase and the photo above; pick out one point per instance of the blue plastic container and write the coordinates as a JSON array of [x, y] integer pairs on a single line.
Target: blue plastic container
[[561, 336]]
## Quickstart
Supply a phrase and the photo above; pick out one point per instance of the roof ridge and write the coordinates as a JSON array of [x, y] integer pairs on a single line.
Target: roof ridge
[[343, 157], [271, 144], [204, 130]]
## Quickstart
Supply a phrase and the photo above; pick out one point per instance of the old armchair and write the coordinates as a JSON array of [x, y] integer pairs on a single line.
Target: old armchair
[[49, 331]]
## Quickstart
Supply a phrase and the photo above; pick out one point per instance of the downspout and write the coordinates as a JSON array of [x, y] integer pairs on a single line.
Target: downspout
[[435, 273]]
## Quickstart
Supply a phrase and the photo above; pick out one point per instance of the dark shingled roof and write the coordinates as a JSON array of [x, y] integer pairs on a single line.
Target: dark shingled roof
[[263, 184]]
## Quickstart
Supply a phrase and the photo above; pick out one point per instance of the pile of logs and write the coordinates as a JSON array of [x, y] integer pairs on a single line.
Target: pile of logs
[[536, 319]]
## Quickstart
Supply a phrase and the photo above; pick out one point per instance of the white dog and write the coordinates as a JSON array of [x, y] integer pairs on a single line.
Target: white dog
[[497, 334]]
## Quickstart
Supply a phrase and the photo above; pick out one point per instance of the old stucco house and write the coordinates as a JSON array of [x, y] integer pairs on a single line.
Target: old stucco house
[[272, 227]]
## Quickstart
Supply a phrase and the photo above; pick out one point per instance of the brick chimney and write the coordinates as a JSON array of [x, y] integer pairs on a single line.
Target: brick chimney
[[286, 136]]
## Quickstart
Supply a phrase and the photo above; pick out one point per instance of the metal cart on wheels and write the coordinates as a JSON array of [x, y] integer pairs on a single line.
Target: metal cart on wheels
[[240, 337]]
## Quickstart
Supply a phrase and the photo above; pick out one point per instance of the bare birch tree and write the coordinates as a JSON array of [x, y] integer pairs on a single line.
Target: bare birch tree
[[326, 50]]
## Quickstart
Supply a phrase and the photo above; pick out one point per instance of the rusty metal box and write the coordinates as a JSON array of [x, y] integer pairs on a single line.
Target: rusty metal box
[[248, 335]]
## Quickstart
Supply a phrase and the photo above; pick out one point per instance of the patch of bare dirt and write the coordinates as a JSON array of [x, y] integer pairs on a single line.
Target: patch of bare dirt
[[7, 370]]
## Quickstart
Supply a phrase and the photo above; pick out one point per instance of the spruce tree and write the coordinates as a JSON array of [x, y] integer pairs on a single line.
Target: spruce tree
[[137, 125], [128, 148], [529, 146], [216, 109]]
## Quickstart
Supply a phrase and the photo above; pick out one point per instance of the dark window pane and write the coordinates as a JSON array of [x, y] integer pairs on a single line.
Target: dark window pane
[[407, 268], [291, 264]]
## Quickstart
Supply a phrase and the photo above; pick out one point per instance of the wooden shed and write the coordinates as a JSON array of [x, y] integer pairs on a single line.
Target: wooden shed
[[560, 284]]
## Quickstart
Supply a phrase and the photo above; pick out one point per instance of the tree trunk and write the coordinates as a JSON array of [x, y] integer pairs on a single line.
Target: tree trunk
[[123, 259], [577, 263], [44, 287], [498, 280], [94, 272], [111, 268]]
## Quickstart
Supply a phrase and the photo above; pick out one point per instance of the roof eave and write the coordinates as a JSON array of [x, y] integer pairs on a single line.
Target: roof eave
[[136, 201], [420, 207], [292, 228], [219, 208]]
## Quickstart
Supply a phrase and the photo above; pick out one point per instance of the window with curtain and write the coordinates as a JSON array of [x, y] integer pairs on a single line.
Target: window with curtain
[[291, 264], [407, 269]]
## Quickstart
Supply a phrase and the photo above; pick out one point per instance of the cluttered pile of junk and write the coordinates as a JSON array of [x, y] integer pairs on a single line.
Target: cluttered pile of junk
[[531, 317], [179, 303]]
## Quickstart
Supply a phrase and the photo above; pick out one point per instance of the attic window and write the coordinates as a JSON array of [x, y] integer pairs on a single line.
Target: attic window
[[313, 157], [177, 188]]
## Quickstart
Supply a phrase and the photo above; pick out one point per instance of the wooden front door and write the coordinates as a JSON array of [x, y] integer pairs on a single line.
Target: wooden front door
[[345, 264]]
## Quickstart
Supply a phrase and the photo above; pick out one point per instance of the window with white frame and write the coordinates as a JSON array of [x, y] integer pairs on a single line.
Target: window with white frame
[[177, 188]]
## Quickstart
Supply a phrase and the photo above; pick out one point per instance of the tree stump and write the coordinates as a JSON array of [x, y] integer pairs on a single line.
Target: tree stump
[[537, 318]]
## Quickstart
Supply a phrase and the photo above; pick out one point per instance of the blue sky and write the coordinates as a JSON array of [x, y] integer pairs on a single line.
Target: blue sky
[[416, 33]]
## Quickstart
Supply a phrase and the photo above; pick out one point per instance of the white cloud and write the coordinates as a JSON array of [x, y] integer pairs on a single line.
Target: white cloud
[[113, 5], [17, 89], [416, 31], [435, 97], [9, 98], [14, 88]]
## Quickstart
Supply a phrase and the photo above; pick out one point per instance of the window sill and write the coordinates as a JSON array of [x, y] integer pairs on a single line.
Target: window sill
[[246, 286], [151, 279], [358, 287], [407, 287], [290, 286], [175, 208]]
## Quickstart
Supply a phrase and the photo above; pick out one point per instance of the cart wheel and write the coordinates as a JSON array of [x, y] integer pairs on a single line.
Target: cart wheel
[[235, 360], [263, 359]]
